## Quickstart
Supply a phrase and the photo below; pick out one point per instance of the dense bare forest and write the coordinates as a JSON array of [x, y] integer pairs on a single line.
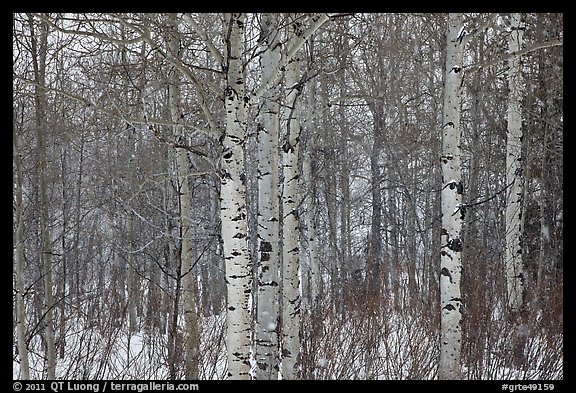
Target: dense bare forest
[[287, 196]]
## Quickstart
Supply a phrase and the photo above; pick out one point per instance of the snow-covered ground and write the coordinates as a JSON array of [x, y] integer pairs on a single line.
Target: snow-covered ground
[[93, 353], [342, 346]]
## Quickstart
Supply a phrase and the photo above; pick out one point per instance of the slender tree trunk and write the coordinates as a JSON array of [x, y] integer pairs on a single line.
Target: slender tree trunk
[[174, 337], [375, 252], [172, 265], [154, 311], [345, 269], [291, 252], [64, 262], [39, 52], [20, 305], [515, 278], [268, 212], [47, 255], [468, 232], [329, 195], [187, 273], [217, 280], [313, 262], [331, 211], [545, 257], [75, 273], [412, 239], [131, 278], [514, 179], [386, 268], [394, 268], [313, 276], [233, 209], [375, 249], [308, 169], [472, 252], [131, 282], [452, 215]]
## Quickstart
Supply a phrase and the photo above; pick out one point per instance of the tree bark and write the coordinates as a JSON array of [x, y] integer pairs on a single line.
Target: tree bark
[[290, 252], [131, 278], [39, 52], [187, 274], [514, 177], [217, 281], [315, 280], [20, 263], [233, 208], [75, 277], [452, 211], [346, 269], [375, 250], [64, 272], [268, 212]]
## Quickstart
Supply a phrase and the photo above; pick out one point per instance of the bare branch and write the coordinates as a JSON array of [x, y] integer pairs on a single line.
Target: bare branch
[[533, 48], [215, 130], [102, 37], [297, 42], [144, 35], [215, 52], [294, 46], [483, 26], [118, 115]]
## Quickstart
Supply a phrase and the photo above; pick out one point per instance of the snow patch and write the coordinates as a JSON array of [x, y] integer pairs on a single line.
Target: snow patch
[[546, 232]]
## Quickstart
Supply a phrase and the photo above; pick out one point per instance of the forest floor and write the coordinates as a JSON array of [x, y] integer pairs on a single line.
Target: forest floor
[[349, 345]]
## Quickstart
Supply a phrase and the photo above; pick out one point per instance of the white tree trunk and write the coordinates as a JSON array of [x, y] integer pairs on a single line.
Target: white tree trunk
[[39, 53], [452, 214], [233, 209], [268, 215], [373, 275], [131, 278], [347, 269], [47, 257], [20, 306], [188, 288], [187, 274], [313, 262], [290, 251], [314, 280], [514, 178], [217, 284]]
